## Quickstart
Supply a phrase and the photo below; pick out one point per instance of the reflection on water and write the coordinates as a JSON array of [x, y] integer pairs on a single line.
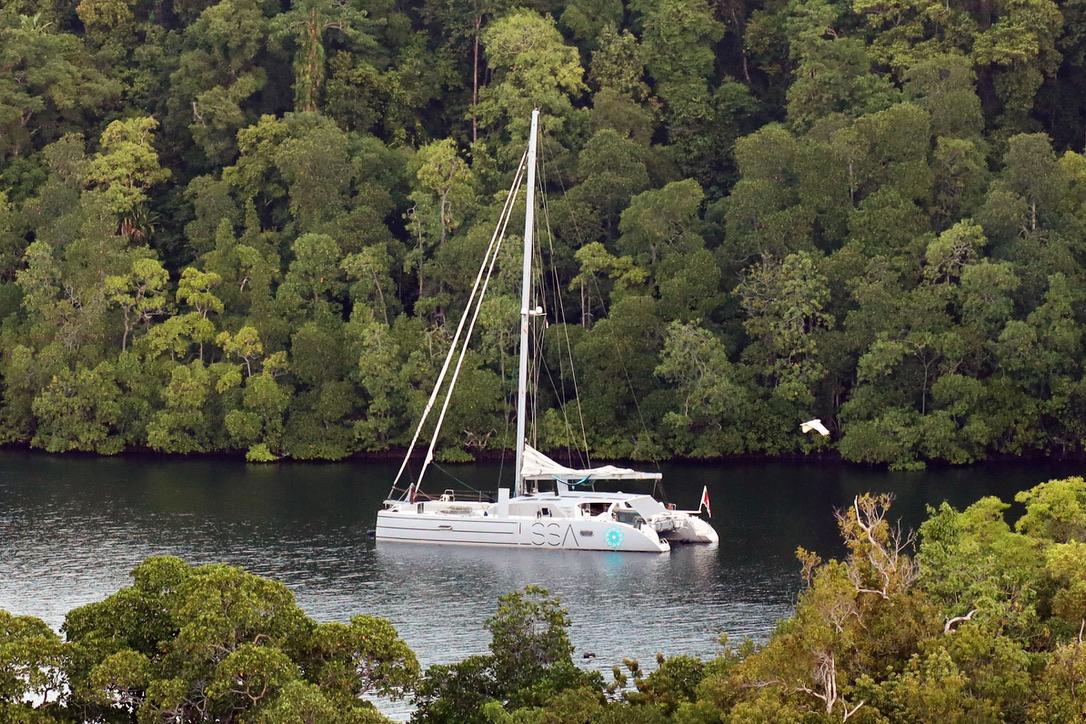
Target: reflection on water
[[71, 528], [619, 604]]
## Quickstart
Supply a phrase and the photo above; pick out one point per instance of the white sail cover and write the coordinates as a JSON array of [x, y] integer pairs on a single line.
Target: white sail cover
[[538, 466]]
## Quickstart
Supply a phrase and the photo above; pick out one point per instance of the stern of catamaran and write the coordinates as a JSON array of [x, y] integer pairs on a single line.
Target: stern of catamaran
[[692, 530]]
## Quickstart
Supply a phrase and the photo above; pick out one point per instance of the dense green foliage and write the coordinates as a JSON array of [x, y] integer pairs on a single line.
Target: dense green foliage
[[193, 644], [984, 623], [252, 224], [977, 621]]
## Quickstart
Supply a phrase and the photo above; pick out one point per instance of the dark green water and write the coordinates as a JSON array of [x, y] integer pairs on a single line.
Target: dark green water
[[72, 528]]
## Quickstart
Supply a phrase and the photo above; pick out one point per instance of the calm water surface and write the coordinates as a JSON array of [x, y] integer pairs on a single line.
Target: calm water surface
[[71, 529]]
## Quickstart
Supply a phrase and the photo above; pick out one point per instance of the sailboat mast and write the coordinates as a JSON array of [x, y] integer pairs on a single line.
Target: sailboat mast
[[525, 305]]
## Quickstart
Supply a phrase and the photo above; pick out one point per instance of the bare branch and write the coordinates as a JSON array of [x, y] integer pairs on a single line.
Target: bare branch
[[953, 622], [849, 712], [879, 550]]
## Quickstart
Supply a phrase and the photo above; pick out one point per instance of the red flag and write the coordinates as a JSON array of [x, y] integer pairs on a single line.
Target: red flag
[[705, 501]]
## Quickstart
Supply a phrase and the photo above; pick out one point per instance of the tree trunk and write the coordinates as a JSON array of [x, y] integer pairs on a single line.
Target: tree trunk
[[924, 393], [314, 62], [420, 267], [381, 296], [586, 313], [742, 49], [442, 204], [475, 81]]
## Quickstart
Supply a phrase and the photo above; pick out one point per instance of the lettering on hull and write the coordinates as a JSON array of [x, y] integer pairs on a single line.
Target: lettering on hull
[[551, 534]]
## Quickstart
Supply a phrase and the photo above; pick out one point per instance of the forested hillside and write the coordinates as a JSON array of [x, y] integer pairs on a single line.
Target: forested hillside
[[251, 224]]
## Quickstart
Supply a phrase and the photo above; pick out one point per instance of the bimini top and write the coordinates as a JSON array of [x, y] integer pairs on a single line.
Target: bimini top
[[537, 466]]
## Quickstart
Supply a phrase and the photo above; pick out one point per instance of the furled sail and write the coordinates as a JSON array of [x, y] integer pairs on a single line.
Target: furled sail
[[537, 466]]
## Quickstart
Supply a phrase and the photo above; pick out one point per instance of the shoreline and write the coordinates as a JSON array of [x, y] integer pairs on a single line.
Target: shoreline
[[820, 457]]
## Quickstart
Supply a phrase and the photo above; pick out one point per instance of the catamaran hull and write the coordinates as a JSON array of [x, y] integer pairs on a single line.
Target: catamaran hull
[[695, 530], [518, 532]]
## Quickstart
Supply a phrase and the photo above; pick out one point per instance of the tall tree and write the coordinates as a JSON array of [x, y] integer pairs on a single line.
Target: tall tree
[[306, 23], [533, 68]]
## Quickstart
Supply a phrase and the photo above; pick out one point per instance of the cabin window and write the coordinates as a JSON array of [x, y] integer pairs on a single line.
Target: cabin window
[[420, 508], [629, 517], [544, 512]]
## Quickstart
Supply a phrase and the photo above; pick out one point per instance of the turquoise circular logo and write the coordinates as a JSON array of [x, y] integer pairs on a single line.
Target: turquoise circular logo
[[614, 537]]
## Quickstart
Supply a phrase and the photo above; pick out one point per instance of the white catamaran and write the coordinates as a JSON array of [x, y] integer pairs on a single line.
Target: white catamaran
[[546, 510]]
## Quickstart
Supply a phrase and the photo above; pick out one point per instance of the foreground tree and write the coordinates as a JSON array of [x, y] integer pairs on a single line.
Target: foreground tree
[[216, 643], [530, 662]]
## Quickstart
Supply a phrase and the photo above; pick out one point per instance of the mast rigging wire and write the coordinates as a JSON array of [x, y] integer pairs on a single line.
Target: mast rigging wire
[[503, 223], [506, 209], [562, 311], [622, 361]]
